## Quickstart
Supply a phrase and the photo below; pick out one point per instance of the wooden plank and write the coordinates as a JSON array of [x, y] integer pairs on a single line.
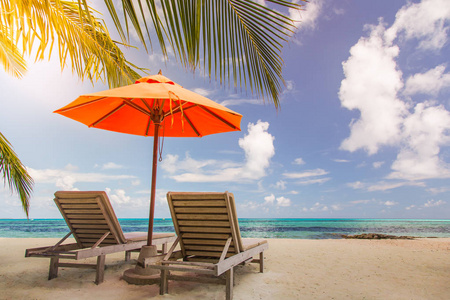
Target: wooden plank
[[197, 264], [206, 248], [96, 211], [229, 284], [204, 223], [184, 229], [75, 265], [225, 249], [87, 226], [196, 195], [91, 231], [79, 206], [100, 274], [216, 236], [198, 203], [207, 253], [92, 235], [215, 280], [198, 210], [75, 221], [201, 217], [205, 242], [77, 200], [85, 217], [239, 258]]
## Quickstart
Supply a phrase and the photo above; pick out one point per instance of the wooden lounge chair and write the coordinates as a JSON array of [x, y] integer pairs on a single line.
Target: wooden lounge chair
[[210, 241], [94, 225]]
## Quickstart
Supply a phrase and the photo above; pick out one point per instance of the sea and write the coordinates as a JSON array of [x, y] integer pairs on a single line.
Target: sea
[[259, 228]]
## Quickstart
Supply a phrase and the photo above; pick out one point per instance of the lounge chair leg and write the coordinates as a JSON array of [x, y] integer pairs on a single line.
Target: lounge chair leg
[[164, 248], [127, 255], [100, 269], [229, 284], [164, 283], [53, 269], [261, 262]]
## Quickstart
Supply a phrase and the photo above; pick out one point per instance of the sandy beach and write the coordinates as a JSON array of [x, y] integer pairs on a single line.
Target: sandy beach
[[294, 269]]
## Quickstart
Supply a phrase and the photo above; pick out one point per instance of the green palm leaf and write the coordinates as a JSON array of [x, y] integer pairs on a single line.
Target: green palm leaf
[[14, 173], [241, 40], [81, 40]]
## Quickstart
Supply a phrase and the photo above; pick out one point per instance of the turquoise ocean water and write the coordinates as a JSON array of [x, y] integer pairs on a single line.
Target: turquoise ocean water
[[264, 228]]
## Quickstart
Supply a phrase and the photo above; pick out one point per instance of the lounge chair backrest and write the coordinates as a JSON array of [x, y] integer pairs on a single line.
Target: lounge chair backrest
[[89, 216], [204, 222]]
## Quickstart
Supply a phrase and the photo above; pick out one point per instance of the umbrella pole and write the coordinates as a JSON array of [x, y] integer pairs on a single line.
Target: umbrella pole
[[153, 192]]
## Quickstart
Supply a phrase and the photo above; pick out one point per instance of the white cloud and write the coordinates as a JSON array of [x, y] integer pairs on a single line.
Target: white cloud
[[118, 197], [111, 166], [258, 148], [410, 207], [433, 203], [233, 102], [341, 160], [361, 201], [299, 161], [438, 190], [65, 180], [281, 185], [307, 19], [378, 164], [314, 181], [371, 84], [430, 82], [269, 199], [383, 186], [390, 203], [424, 21], [317, 207], [425, 132], [284, 202], [305, 174]]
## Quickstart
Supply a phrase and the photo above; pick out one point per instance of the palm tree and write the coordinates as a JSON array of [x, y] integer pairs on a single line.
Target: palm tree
[[234, 41]]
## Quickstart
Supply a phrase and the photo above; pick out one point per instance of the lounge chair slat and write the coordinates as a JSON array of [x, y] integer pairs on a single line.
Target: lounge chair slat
[[206, 236], [208, 253], [201, 217], [75, 221], [205, 248], [79, 206], [78, 201], [204, 223], [96, 226], [205, 229], [201, 210], [84, 211], [205, 242], [85, 216], [198, 204], [194, 196]]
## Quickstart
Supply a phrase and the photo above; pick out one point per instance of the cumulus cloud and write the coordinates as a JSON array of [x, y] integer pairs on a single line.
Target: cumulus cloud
[[378, 164], [433, 203], [430, 82], [118, 197], [373, 85], [307, 19], [278, 201], [425, 131], [299, 161], [66, 179], [390, 203], [258, 148], [424, 21]]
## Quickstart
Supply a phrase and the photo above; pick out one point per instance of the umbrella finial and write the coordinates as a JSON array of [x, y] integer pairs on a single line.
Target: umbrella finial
[[160, 72]]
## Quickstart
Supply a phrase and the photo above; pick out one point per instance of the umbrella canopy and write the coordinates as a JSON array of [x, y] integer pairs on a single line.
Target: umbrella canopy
[[152, 106]]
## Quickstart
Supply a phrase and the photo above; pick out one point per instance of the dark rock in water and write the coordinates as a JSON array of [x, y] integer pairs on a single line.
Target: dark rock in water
[[377, 236]]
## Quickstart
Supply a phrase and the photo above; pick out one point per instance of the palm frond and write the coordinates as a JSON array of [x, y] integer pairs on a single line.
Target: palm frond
[[241, 40], [82, 41], [14, 173]]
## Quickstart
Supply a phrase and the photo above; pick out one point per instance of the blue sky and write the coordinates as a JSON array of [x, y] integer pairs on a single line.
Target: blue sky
[[363, 130]]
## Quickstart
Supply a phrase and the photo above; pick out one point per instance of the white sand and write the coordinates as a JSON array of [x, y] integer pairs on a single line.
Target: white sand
[[294, 269]]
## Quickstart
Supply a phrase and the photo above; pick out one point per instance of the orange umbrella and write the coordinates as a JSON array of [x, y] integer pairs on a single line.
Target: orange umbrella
[[151, 106]]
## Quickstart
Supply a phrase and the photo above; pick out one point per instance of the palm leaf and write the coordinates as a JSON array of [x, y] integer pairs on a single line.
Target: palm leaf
[[241, 40], [14, 173], [82, 41]]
